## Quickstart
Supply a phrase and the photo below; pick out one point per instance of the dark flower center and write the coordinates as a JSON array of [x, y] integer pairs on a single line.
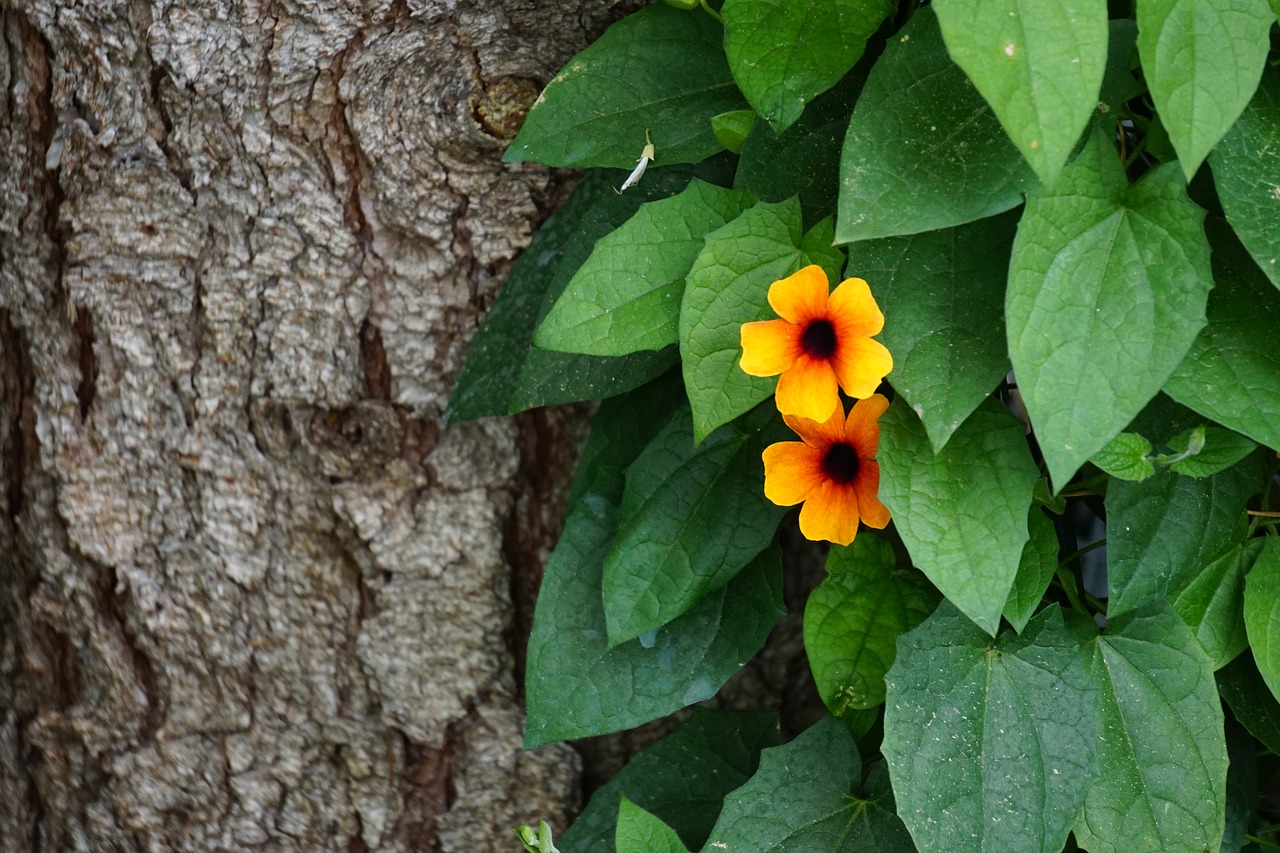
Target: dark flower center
[[840, 464], [819, 339]]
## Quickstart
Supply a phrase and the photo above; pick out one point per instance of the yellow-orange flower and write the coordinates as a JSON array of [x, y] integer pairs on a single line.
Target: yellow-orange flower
[[822, 340], [833, 471]]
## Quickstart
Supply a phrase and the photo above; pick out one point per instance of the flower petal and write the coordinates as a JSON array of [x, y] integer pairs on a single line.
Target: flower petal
[[867, 487], [831, 513], [808, 389], [801, 296], [792, 472], [861, 364], [769, 347], [853, 310], [862, 429], [819, 434]]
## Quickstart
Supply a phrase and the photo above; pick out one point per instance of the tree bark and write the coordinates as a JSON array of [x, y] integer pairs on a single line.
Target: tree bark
[[251, 593]]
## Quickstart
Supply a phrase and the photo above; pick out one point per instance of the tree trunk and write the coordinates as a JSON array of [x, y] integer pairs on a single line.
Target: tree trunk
[[251, 593]]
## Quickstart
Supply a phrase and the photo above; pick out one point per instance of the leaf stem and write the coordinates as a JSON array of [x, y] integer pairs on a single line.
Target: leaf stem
[[712, 12]]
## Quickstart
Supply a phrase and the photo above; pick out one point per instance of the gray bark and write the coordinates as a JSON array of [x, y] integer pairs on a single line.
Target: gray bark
[[251, 593]]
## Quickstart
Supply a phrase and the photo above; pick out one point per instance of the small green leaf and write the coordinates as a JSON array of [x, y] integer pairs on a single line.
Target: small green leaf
[[1039, 64], [853, 619], [626, 296], [1163, 531], [1250, 699], [1125, 456], [1232, 373], [989, 743], [729, 286], [660, 71], [688, 530], [944, 294], [818, 248], [783, 54], [1212, 603], [1219, 449], [805, 797], [1162, 757], [1262, 611], [733, 128], [1035, 570], [1047, 499], [923, 151], [963, 512], [536, 841], [638, 831], [681, 779], [1107, 288], [1202, 60], [1246, 173]]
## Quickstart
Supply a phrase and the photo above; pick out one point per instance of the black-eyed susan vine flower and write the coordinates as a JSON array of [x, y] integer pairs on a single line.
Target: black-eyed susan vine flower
[[820, 343], [832, 471]]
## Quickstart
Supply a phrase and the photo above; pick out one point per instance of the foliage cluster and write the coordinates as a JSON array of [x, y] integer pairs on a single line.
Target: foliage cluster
[[1069, 212]]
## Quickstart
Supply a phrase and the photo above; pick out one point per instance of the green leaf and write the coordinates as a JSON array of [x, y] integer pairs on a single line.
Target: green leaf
[[1162, 757], [989, 744], [1125, 456], [1165, 530], [1107, 288], [804, 160], [692, 518], [963, 512], [638, 830], [626, 296], [733, 128], [1246, 173], [944, 294], [924, 150], [729, 286], [1232, 373], [1202, 60], [1251, 700], [1212, 603], [818, 248], [1262, 612], [783, 54], [1039, 65], [805, 797], [504, 373], [853, 619], [660, 71], [1035, 570], [1041, 495], [1221, 448], [681, 779]]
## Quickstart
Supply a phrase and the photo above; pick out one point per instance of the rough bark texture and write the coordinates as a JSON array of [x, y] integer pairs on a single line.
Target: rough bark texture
[[251, 594]]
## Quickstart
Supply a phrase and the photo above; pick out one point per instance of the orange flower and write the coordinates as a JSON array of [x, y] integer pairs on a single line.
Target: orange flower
[[833, 471], [820, 341]]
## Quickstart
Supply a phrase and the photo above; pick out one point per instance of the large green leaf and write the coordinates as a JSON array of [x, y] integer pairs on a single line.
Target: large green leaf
[[1162, 757], [691, 519], [924, 150], [783, 54], [962, 512], [641, 830], [1164, 530], [990, 744], [681, 779], [805, 797], [1107, 288], [1035, 570], [1212, 603], [943, 292], [729, 286], [1202, 60], [853, 619], [1262, 612], [1246, 173], [1039, 63], [1251, 700], [626, 296], [504, 372], [660, 72], [1232, 373]]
